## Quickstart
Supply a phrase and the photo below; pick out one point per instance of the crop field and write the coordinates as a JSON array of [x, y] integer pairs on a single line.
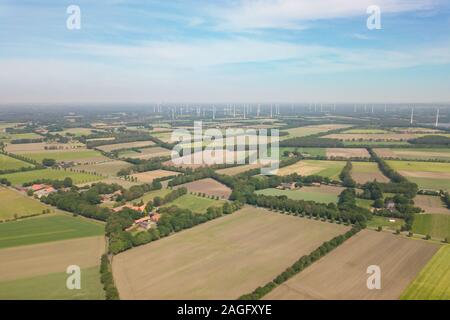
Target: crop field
[[127, 145], [363, 172], [195, 203], [415, 154], [53, 287], [163, 136], [209, 187], [433, 282], [431, 204], [80, 155], [238, 169], [329, 169], [19, 178], [149, 176], [428, 175], [8, 163], [31, 135], [107, 168], [310, 130], [146, 153], [45, 258], [376, 143], [435, 225], [43, 147], [347, 153], [221, 259], [377, 136], [366, 131], [14, 204], [322, 194], [47, 228], [209, 158], [346, 267]]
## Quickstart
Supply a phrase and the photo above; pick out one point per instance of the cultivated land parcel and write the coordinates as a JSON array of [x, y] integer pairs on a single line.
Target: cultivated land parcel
[[221, 259]]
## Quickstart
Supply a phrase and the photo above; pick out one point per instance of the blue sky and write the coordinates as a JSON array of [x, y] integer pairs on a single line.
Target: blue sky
[[224, 51]]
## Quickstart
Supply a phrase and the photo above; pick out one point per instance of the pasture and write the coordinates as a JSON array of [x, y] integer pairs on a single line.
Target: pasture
[[324, 168], [19, 178], [431, 204], [149, 176], [306, 152], [126, 145], [9, 163], [238, 169], [435, 225], [310, 130], [347, 153], [15, 205], [415, 154], [146, 153], [152, 194], [385, 223], [80, 155], [195, 203], [433, 282], [47, 228], [391, 136], [347, 269], [209, 187], [220, 259], [322, 194], [107, 168], [363, 172]]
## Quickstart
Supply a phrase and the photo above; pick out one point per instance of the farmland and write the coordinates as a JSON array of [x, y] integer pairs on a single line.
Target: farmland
[[433, 282], [146, 153], [415, 154], [78, 155], [392, 224], [310, 130], [306, 152], [221, 259], [40, 147], [149, 176], [152, 194], [9, 163], [46, 228], [107, 168], [19, 178], [209, 187], [431, 204], [14, 204], [435, 225], [127, 145], [195, 203], [329, 169], [363, 172], [238, 169], [322, 194], [404, 258], [347, 153]]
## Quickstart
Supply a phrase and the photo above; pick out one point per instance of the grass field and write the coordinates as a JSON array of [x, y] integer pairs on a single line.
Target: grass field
[[194, 203], [19, 178], [342, 273], [31, 135], [146, 153], [46, 228], [221, 259], [15, 204], [81, 155], [363, 172], [306, 152], [152, 194], [433, 282], [108, 168], [77, 132], [436, 225], [208, 186], [384, 222], [8, 163], [375, 143], [309, 130], [413, 154], [329, 169], [365, 131], [53, 287], [322, 194]]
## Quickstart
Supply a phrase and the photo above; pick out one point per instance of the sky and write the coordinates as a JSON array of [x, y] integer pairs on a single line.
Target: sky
[[159, 51]]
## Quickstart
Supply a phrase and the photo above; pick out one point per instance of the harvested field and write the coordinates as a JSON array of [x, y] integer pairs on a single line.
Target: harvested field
[[239, 169], [330, 169], [15, 204], [415, 154], [42, 147], [347, 153], [209, 187], [363, 172], [322, 194], [8, 163], [149, 176], [127, 145], [431, 204], [107, 168], [146, 153], [121, 182], [221, 259], [44, 258], [208, 158], [342, 273]]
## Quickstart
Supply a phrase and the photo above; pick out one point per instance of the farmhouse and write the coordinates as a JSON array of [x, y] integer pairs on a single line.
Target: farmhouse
[[390, 205], [44, 192], [287, 186]]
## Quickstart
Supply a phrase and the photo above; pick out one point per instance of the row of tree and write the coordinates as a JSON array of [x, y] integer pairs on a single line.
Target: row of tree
[[106, 278], [346, 177]]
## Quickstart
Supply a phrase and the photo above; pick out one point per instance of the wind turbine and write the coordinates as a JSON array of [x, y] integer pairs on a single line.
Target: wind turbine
[[437, 117], [412, 115]]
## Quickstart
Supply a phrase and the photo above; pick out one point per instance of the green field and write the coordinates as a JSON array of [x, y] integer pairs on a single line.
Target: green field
[[20, 178], [8, 163], [311, 152], [15, 204], [108, 168], [366, 131], [376, 143], [194, 203], [77, 132], [436, 225], [364, 203], [47, 228], [384, 222], [317, 196], [75, 155], [152, 194], [433, 282], [53, 287], [422, 166], [31, 135]]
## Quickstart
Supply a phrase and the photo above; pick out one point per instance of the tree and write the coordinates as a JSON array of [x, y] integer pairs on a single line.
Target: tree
[[68, 183], [48, 162]]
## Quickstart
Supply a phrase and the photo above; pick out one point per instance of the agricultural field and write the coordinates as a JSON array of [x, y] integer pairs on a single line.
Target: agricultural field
[[431, 204], [195, 203], [152, 194], [428, 175], [433, 282], [363, 172], [209, 158], [111, 180], [347, 269], [221, 259], [15, 205], [31, 135], [310, 130], [440, 154], [391, 224], [146, 153], [435, 225], [306, 152], [375, 143], [391, 136], [80, 155], [322, 194], [47, 228], [209, 187], [149, 176], [9, 163], [76, 132], [324, 168], [347, 153], [19, 178], [365, 131], [107, 168], [39, 147], [238, 169], [163, 136], [126, 145]]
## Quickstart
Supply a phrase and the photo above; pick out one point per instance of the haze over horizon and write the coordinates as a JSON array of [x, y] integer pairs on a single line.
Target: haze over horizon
[[246, 50]]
